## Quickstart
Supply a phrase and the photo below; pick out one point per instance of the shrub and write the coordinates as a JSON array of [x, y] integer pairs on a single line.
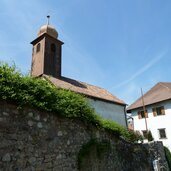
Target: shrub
[[149, 136], [168, 156], [41, 94]]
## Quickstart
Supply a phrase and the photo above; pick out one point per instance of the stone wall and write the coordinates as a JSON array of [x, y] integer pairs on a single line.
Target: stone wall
[[32, 140]]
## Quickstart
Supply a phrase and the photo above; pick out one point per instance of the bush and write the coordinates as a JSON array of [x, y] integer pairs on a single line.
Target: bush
[[149, 136], [25, 90], [168, 156], [41, 94]]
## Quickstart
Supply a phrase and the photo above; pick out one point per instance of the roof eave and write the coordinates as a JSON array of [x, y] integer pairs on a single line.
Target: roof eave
[[105, 100], [134, 108], [43, 35]]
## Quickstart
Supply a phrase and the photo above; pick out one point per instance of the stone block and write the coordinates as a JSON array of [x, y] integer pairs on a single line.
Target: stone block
[[30, 114], [37, 118], [6, 157], [5, 113], [30, 123], [39, 125], [60, 133]]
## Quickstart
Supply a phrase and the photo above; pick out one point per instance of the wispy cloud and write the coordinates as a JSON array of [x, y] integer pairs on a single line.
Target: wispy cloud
[[142, 70]]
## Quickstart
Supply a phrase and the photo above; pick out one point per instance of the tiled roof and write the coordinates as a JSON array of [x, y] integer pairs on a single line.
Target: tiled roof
[[160, 92], [84, 88]]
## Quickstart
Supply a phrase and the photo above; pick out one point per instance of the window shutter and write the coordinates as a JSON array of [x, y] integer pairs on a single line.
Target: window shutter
[[162, 110], [154, 112], [139, 115]]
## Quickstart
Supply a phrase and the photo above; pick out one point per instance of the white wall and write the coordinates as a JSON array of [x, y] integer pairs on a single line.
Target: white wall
[[111, 111], [155, 123]]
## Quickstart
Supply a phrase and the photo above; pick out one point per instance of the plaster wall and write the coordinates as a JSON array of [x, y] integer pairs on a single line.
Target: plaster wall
[[110, 111], [155, 123]]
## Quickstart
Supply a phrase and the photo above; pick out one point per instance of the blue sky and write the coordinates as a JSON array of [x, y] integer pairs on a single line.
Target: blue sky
[[119, 45]]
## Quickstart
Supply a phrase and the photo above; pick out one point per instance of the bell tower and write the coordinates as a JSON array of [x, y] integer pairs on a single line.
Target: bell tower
[[46, 52]]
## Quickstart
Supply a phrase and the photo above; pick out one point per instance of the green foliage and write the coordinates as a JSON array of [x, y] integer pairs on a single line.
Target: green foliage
[[119, 130], [25, 90], [99, 148], [41, 94], [149, 136], [168, 156]]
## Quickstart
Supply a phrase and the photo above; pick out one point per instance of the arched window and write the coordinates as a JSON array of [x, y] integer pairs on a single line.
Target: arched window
[[38, 47], [53, 47]]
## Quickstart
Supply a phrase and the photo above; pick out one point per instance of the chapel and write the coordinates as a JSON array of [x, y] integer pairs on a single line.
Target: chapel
[[46, 63]]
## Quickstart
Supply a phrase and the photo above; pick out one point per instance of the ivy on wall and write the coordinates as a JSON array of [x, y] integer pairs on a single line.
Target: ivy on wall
[[24, 90]]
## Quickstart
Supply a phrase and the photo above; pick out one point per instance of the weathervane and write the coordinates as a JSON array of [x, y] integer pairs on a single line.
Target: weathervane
[[48, 18]]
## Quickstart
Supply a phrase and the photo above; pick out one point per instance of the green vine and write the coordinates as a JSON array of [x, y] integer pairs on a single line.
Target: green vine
[[41, 94]]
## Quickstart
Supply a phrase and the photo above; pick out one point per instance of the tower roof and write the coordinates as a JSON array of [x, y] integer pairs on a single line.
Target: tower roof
[[49, 29]]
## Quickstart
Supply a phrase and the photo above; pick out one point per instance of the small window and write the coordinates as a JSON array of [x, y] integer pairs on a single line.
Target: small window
[[141, 114], [38, 47], [53, 48], [157, 111], [162, 133]]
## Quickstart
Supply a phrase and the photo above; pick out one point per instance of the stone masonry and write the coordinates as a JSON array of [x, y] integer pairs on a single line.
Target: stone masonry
[[32, 140]]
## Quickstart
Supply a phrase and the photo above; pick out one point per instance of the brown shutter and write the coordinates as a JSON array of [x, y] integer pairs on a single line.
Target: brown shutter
[[162, 110], [154, 112], [139, 115]]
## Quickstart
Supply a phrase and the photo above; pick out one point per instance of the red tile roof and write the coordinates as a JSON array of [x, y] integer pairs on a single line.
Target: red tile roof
[[84, 88], [160, 92]]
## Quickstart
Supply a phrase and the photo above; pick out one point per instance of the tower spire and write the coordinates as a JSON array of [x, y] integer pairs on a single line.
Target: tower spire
[[47, 52], [48, 19]]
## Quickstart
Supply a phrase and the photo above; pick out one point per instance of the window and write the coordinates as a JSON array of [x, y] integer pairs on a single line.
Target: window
[[53, 48], [157, 111], [142, 115], [38, 47], [162, 133]]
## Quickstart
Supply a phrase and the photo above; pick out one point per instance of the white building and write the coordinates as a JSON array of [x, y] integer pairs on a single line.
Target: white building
[[46, 62], [157, 103]]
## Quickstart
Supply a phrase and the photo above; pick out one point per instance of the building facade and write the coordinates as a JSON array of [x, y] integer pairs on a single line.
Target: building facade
[[157, 103], [46, 63]]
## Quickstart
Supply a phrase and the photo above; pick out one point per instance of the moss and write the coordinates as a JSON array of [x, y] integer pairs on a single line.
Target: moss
[[93, 146]]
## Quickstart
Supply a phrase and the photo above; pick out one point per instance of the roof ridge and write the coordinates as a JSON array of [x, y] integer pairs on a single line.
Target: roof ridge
[[95, 86], [162, 83], [90, 85]]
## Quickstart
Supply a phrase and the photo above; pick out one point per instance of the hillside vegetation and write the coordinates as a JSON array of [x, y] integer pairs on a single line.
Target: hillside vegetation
[[41, 94]]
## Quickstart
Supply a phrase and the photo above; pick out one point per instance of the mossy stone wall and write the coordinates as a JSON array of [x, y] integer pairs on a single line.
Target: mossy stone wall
[[41, 141]]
